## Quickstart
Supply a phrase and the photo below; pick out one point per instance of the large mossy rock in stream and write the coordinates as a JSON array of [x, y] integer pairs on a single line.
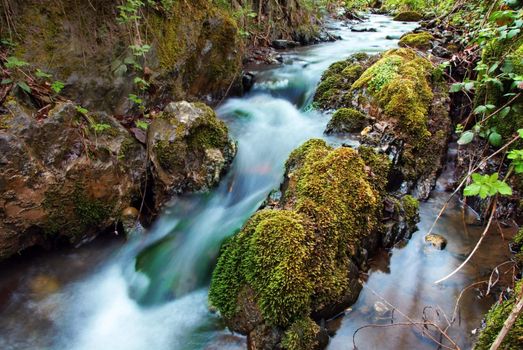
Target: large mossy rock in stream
[[408, 106], [61, 178], [421, 41], [189, 148], [299, 260], [196, 49], [408, 16]]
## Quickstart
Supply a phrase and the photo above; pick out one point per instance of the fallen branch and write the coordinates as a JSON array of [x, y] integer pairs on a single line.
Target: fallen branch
[[509, 322]]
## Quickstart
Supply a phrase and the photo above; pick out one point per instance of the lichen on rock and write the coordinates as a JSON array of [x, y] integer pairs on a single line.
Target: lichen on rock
[[189, 148]]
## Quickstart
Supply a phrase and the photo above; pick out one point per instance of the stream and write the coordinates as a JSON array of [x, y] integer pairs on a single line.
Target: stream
[[151, 293]]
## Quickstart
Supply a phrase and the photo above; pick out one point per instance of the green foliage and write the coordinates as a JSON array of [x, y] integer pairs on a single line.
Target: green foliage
[[57, 86], [41, 74], [516, 156], [14, 62], [142, 124], [82, 110], [487, 186], [100, 127]]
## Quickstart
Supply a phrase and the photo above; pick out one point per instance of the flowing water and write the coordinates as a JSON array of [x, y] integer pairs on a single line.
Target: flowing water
[[152, 293]]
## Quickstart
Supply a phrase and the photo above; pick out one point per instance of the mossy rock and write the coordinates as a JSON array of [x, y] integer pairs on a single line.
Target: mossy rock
[[494, 322], [301, 335], [408, 16], [189, 148], [421, 41], [301, 257], [346, 120], [334, 88]]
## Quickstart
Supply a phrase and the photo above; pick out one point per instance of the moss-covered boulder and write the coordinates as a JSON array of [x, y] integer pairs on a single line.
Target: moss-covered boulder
[[189, 148], [421, 41], [346, 120], [494, 322], [64, 178], [408, 16], [333, 91], [408, 104], [299, 259]]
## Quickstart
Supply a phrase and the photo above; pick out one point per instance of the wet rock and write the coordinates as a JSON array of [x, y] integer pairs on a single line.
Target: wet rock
[[442, 52], [437, 241], [64, 178], [284, 44], [248, 81], [393, 37], [43, 285], [302, 256], [189, 148], [363, 30], [131, 223], [381, 310], [346, 120]]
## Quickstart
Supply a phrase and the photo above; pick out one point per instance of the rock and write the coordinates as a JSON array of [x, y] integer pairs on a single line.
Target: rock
[[442, 52], [284, 44], [363, 30], [408, 107], [408, 16], [61, 179], [189, 148], [393, 37], [381, 310], [346, 120], [43, 285], [421, 41], [437, 241], [301, 258], [131, 223], [248, 81]]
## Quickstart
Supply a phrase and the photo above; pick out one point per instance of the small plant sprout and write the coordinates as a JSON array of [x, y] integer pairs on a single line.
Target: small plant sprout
[[487, 186]]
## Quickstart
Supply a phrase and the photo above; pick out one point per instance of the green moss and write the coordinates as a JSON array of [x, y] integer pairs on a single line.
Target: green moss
[[379, 74], [337, 80], [380, 166], [73, 213], [298, 259], [301, 335], [408, 16], [417, 40], [410, 207], [494, 322], [347, 120]]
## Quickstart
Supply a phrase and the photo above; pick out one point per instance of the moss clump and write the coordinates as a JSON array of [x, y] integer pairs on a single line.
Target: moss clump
[[379, 165], [399, 82], [73, 213], [301, 335], [494, 322], [333, 90], [410, 207], [346, 120], [420, 41], [408, 16], [297, 260]]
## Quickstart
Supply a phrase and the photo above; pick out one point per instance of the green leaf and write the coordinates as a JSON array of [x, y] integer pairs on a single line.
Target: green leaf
[[504, 112], [82, 110], [57, 86], [466, 138], [41, 74], [504, 189], [6, 81], [495, 139], [520, 132], [512, 33], [456, 87], [480, 109], [471, 190], [14, 62], [23, 85]]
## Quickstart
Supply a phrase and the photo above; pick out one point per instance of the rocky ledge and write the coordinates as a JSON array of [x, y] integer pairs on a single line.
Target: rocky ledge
[[68, 177]]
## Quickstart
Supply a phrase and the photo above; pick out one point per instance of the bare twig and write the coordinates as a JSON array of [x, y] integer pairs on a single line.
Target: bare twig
[[485, 231]]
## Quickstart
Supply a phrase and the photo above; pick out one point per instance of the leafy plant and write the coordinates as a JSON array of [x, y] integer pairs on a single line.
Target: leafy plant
[[41, 74], [100, 127], [517, 160], [57, 86], [14, 62], [487, 186], [82, 110], [142, 124]]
